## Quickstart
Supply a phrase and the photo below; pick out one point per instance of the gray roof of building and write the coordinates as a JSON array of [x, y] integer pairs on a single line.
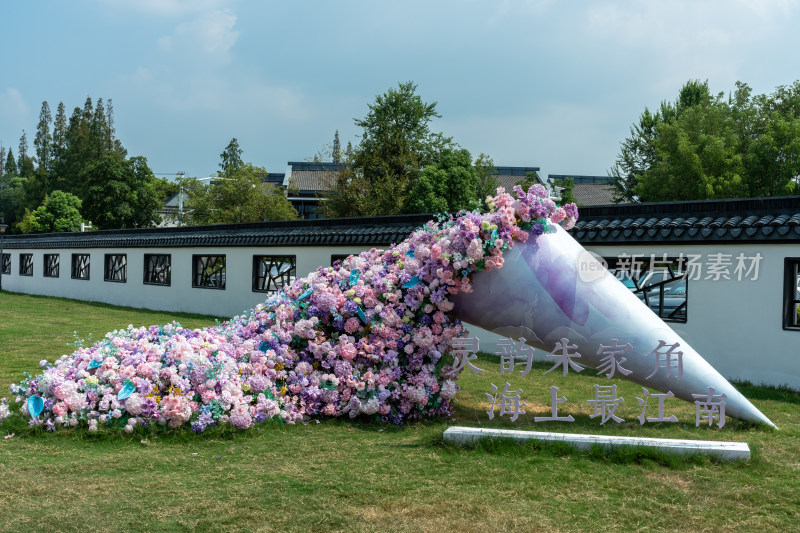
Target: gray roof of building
[[706, 221], [593, 194], [367, 231]]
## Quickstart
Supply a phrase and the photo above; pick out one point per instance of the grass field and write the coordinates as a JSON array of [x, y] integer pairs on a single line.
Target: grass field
[[358, 476]]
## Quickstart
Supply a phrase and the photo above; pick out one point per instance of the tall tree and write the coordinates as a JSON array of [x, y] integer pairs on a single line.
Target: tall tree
[[231, 158], [336, 151], [11, 165], [2, 161], [24, 162], [396, 144], [59, 145], [43, 141]]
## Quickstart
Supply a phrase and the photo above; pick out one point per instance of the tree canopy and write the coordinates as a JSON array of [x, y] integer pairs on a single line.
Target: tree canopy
[[402, 166], [68, 155], [705, 146], [60, 211], [241, 196]]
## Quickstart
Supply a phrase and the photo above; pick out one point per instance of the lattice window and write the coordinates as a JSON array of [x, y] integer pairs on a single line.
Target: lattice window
[[52, 264], [6, 263], [791, 300], [116, 268], [157, 269], [661, 283], [26, 264], [208, 271], [80, 266], [272, 272]]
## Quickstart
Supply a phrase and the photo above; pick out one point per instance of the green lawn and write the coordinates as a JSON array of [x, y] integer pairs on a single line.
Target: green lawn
[[357, 476]]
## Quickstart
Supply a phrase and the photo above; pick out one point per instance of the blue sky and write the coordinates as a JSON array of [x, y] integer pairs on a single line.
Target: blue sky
[[531, 83]]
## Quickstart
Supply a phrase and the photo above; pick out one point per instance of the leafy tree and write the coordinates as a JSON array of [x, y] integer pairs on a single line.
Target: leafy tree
[[703, 146], [487, 183], [11, 165], [449, 184], [60, 211], [396, 144], [120, 193], [165, 189], [241, 196], [12, 195], [231, 158]]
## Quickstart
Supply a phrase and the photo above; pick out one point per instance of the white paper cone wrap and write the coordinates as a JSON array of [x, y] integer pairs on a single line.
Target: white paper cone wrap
[[540, 291]]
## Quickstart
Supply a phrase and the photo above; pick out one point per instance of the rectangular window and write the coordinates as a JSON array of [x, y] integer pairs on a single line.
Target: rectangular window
[[208, 271], [116, 268], [338, 257], [273, 272], [80, 266], [26, 264], [660, 283], [6, 263], [52, 263], [791, 290], [157, 269]]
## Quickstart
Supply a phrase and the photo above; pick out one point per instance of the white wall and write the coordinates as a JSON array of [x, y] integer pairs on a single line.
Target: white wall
[[735, 325]]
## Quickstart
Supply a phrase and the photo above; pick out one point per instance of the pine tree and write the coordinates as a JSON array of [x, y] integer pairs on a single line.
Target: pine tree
[[43, 141], [336, 152], [24, 162], [11, 165], [110, 141], [2, 161], [231, 158], [59, 146]]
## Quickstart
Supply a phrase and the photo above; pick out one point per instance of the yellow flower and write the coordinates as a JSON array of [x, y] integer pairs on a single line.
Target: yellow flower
[[278, 366], [282, 391], [245, 387], [357, 300]]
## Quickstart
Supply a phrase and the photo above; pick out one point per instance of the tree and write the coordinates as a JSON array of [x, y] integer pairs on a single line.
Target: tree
[[2, 161], [24, 162], [11, 165], [120, 193], [336, 151], [231, 158], [447, 185], [396, 144], [60, 211], [12, 195], [241, 196], [44, 140], [531, 178], [703, 146]]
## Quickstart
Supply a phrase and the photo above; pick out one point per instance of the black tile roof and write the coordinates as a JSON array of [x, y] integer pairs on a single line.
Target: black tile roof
[[736, 220], [368, 231]]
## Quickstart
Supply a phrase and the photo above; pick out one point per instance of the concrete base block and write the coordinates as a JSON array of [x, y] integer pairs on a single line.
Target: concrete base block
[[723, 450]]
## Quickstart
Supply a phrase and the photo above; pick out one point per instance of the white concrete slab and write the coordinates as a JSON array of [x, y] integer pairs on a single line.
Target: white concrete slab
[[723, 450]]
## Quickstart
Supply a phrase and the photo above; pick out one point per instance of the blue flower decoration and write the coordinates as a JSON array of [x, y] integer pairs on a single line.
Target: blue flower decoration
[[354, 275], [264, 346], [126, 390], [35, 406], [305, 295], [94, 363], [361, 315], [413, 282]]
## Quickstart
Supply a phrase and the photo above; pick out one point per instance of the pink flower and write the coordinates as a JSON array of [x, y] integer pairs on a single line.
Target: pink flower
[[352, 325]]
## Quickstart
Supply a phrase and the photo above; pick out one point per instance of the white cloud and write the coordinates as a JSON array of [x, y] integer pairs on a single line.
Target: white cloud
[[211, 33]]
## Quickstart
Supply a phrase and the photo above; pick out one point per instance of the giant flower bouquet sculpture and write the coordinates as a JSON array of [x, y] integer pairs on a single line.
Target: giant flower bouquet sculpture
[[370, 336]]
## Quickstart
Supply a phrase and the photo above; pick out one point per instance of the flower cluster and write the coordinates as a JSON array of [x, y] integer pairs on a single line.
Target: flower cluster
[[368, 336]]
